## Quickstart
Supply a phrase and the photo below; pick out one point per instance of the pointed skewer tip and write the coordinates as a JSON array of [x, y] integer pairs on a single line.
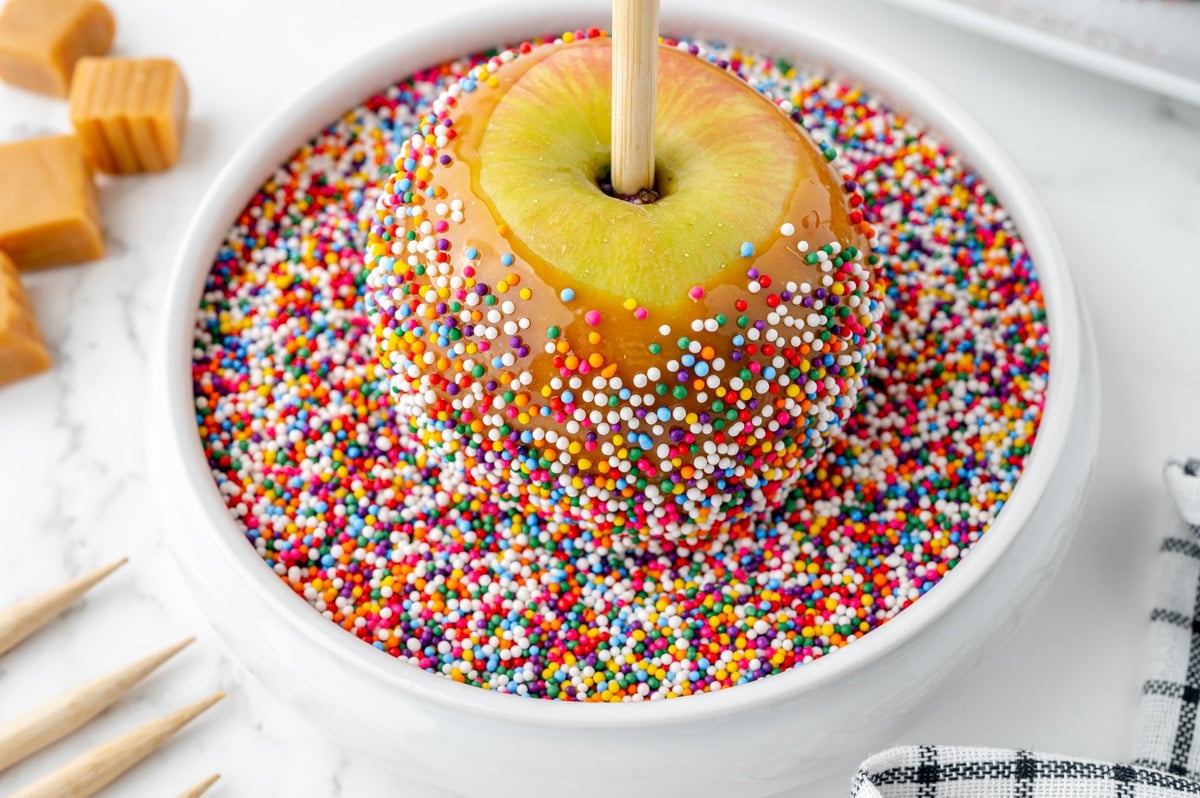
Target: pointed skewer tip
[[201, 788]]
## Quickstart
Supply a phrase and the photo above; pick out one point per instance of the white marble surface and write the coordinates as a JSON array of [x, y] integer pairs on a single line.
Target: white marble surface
[[1119, 173]]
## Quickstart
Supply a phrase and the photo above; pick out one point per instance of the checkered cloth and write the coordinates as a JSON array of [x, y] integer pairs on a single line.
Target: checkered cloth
[[1167, 764]]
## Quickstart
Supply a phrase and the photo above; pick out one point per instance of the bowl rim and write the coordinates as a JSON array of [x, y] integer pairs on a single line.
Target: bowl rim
[[787, 32]]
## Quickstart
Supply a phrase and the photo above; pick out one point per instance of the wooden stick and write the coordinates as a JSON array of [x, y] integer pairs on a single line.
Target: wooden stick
[[25, 617], [67, 712], [91, 772], [634, 94], [201, 788]]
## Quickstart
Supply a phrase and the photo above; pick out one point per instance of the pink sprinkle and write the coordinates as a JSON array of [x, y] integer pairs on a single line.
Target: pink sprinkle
[[641, 313], [697, 293], [592, 317]]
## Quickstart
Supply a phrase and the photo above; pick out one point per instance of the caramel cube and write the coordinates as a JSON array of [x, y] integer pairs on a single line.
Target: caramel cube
[[129, 112], [40, 41], [22, 351], [48, 210]]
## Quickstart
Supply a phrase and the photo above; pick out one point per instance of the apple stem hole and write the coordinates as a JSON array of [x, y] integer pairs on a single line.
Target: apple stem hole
[[644, 196]]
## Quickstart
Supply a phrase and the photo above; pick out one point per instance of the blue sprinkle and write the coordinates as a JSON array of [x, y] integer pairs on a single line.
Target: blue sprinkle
[[747, 249], [567, 294]]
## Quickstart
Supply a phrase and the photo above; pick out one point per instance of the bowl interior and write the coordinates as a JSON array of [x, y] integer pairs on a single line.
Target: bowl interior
[[769, 30]]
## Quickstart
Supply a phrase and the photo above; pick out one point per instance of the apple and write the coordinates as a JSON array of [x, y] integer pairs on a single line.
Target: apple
[[666, 365]]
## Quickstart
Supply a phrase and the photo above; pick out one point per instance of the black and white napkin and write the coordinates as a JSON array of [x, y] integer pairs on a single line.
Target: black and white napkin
[[1167, 762]]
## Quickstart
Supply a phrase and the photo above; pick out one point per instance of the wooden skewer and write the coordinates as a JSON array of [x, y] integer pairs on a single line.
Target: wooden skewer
[[634, 94], [68, 711], [91, 772], [25, 617], [201, 788]]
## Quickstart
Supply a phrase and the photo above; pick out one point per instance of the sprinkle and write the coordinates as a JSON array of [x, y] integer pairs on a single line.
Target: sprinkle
[[329, 469], [567, 294], [592, 317], [747, 249], [696, 293]]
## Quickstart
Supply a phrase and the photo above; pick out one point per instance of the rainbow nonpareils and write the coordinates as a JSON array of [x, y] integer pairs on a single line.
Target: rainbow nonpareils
[[341, 502]]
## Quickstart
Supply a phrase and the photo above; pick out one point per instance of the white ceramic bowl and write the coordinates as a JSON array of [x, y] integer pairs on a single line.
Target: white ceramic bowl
[[755, 739]]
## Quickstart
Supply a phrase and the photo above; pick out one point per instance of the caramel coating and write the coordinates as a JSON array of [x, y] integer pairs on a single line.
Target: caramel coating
[[817, 208]]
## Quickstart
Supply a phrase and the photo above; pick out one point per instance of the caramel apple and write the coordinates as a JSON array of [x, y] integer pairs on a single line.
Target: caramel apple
[[662, 364]]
